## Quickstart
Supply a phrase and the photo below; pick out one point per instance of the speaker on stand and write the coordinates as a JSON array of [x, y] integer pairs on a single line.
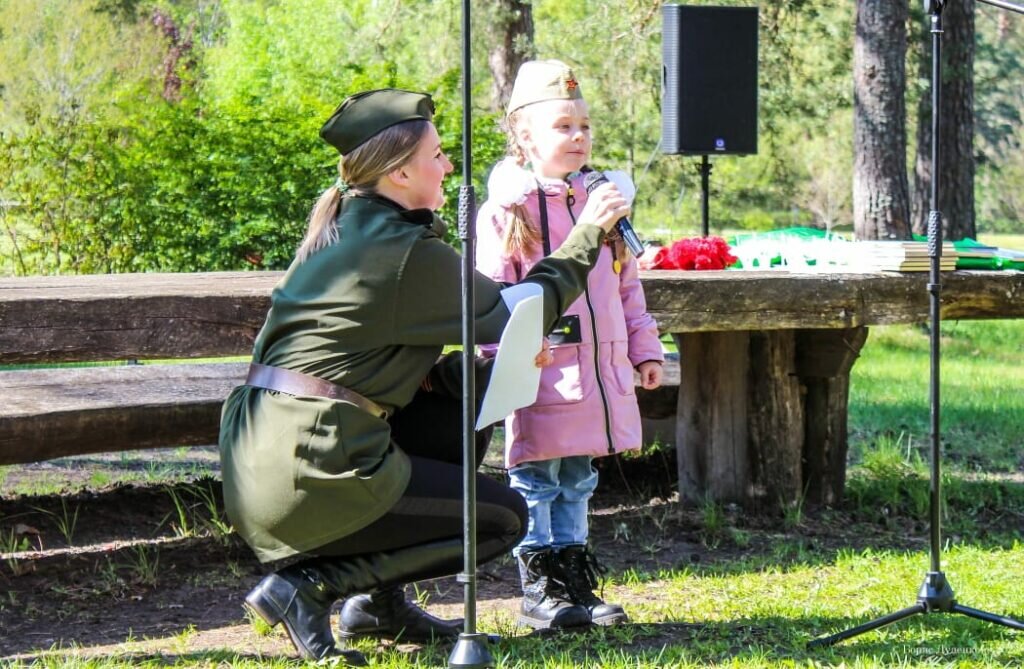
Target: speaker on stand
[[709, 85]]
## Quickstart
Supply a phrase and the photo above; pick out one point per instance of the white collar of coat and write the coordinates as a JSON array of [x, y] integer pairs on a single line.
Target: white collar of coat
[[510, 184]]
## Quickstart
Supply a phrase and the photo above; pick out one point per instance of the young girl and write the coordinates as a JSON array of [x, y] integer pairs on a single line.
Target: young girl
[[586, 406]]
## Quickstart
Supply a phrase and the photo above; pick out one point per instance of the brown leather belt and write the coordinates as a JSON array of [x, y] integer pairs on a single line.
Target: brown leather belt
[[297, 383]]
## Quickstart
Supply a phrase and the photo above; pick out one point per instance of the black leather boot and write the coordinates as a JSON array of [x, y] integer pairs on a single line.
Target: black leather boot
[[386, 614], [546, 603], [298, 597], [581, 571], [301, 595]]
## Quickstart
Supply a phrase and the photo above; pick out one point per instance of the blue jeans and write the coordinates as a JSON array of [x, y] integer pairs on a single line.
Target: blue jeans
[[556, 493]]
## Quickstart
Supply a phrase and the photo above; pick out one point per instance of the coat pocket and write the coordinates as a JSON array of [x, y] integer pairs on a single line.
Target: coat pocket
[[336, 441], [561, 382]]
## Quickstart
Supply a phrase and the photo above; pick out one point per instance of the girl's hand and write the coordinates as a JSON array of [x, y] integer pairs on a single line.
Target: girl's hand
[[605, 206], [650, 374], [545, 357]]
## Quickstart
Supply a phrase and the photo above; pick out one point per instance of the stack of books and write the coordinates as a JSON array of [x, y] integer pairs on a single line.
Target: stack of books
[[899, 256]]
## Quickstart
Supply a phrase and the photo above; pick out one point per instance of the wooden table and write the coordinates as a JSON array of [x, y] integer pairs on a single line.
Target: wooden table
[[764, 356], [765, 359]]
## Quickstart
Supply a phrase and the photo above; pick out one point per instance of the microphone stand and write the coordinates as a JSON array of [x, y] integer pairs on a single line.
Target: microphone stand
[[470, 651], [935, 595]]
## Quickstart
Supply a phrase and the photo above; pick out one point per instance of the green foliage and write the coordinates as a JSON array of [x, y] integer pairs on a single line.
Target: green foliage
[[228, 188], [66, 59], [182, 134], [171, 190], [999, 135], [757, 220]]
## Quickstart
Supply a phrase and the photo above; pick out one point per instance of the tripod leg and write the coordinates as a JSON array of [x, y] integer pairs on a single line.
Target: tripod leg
[[868, 626], [988, 617]]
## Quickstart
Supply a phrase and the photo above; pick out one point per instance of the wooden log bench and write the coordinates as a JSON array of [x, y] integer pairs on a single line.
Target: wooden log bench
[[50, 413], [758, 402], [56, 412], [75, 411]]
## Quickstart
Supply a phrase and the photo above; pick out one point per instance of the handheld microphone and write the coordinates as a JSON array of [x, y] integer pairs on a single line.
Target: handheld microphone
[[591, 181]]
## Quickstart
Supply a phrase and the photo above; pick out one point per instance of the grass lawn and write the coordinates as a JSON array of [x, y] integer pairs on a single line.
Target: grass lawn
[[981, 393], [762, 588]]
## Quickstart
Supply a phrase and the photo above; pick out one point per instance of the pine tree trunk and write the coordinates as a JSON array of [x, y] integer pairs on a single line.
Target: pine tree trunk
[[956, 129], [513, 26], [881, 200]]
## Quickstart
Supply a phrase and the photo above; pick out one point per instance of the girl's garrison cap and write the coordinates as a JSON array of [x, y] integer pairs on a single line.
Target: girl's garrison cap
[[540, 80]]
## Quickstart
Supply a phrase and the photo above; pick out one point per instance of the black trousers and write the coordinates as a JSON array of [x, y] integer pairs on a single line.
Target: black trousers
[[429, 430]]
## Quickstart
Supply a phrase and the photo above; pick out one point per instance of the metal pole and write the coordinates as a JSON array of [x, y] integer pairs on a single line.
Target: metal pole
[[934, 288], [1005, 5], [936, 594], [470, 650], [705, 195]]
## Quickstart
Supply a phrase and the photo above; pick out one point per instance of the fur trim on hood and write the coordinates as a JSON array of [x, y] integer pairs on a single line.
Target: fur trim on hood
[[509, 184]]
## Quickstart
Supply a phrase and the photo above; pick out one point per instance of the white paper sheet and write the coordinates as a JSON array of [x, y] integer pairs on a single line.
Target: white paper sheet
[[515, 378]]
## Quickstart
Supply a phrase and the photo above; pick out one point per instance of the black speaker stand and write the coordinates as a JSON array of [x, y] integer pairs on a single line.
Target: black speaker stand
[[704, 169], [935, 595]]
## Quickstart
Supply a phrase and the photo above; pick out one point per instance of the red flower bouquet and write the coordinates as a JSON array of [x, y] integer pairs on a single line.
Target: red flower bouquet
[[693, 253]]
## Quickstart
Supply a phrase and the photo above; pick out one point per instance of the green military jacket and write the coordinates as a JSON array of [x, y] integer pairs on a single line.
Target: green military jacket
[[371, 312]]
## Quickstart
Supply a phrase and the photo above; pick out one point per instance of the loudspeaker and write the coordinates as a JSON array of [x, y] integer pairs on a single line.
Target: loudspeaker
[[709, 80]]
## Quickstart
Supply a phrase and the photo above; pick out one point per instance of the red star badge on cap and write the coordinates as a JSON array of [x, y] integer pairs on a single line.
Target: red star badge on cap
[[571, 84]]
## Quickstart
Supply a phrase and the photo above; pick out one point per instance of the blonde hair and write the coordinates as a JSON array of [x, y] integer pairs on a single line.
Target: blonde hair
[[521, 237], [361, 169]]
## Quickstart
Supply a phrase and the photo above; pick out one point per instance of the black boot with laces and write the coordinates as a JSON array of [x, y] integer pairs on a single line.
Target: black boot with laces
[[581, 571], [546, 602]]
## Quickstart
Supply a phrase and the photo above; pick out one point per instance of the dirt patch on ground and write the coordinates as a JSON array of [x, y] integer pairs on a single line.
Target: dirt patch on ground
[[145, 567]]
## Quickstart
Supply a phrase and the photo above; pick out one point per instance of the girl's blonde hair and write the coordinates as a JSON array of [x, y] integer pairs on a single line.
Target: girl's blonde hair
[[520, 236], [360, 169]]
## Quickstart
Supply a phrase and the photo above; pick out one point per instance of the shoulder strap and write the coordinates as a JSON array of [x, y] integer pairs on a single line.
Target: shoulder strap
[[542, 206]]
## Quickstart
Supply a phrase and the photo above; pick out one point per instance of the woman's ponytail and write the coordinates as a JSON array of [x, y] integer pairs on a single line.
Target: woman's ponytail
[[322, 231]]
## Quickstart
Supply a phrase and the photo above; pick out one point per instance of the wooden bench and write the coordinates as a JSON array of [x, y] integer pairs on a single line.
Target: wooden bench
[[74, 411], [758, 404], [56, 412], [51, 413]]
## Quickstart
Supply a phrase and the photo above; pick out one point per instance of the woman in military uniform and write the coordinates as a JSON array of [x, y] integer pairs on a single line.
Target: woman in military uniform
[[315, 477]]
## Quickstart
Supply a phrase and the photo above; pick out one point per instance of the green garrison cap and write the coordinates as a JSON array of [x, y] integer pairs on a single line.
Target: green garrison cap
[[363, 115], [540, 80]]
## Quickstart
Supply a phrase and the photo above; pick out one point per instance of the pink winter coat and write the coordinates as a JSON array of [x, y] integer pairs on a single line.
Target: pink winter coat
[[587, 401]]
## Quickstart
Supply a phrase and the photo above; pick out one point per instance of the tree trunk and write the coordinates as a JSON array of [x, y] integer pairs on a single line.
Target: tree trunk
[[881, 201], [956, 128], [513, 26]]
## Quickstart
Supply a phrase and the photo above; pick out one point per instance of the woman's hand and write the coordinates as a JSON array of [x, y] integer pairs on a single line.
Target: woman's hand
[[650, 374], [545, 357], [605, 206]]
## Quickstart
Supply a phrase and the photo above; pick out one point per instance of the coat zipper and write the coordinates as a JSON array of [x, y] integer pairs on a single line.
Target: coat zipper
[[570, 200]]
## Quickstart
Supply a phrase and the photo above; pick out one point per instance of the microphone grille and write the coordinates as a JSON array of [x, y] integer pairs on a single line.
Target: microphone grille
[[594, 179]]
